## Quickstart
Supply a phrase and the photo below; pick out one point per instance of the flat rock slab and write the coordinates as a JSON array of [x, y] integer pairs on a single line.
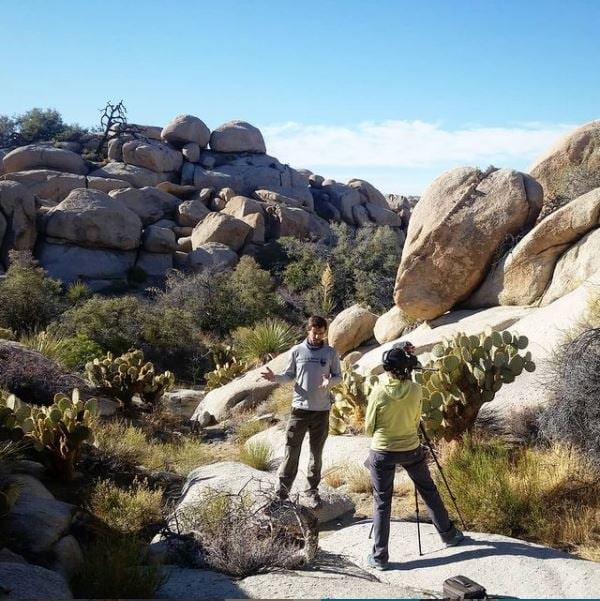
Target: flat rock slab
[[25, 581], [332, 577], [233, 477], [503, 565]]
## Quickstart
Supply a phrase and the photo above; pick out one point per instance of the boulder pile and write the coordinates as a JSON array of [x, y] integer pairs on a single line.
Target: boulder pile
[[179, 196]]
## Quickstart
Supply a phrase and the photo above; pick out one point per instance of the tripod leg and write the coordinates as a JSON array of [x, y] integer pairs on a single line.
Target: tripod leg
[[418, 522], [452, 497]]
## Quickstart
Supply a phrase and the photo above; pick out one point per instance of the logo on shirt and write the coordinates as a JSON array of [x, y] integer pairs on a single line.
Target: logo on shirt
[[323, 362]]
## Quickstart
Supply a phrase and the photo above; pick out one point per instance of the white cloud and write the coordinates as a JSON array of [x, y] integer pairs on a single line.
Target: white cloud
[[402, 154]]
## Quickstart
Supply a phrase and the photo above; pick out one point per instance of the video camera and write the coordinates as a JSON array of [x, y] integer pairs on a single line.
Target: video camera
[[401, 358]]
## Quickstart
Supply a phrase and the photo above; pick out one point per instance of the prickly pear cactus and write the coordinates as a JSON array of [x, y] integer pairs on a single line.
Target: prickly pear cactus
[[11, 416], [468, 372], [59, 431], [224, 373], [350, 401], [122, 377]]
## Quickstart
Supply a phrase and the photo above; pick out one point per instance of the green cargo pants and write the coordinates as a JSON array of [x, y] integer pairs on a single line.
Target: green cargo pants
[[317, 425]]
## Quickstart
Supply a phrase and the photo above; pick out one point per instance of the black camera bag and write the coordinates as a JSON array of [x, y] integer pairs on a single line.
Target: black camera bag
[[461, 587]]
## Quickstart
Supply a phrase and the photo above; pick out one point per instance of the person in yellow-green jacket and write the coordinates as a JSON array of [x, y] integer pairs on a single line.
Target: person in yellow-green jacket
[[393, 417]]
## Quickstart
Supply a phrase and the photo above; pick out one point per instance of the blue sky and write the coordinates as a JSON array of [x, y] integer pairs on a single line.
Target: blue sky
[[391, 91]]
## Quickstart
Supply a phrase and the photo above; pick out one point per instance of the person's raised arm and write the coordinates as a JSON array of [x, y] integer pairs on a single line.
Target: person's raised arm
[[287, 375]]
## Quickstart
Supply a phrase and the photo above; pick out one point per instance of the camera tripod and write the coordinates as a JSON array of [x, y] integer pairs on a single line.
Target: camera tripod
[[450, 493]]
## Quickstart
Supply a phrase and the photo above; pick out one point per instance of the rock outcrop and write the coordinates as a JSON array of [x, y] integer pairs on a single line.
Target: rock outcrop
[[455, 229], [571, 167], [522, 276]]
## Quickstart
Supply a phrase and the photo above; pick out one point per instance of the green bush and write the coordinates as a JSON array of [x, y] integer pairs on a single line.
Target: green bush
[[30, 300], [39, 124], [363, 264], [222, 301], [115, 324], [77, 350]]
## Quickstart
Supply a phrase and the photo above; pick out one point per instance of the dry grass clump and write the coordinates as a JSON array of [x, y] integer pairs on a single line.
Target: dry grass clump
[[248, 428], [257, 454], [279, 402], [129, 444], [549, 496], [126, 509]]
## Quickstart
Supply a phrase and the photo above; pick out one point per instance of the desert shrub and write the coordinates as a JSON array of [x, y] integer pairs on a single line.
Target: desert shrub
[[363, 265], [550, 496], [240, 541], [258, 344], [172, 341], [222, 301], [129, 509], [39, 124], [77, 350], [30, 300], [32, 377], [117, 568], [115, 324], [523, 425], [257, 454], [573, 416], [124, 444], [8, 131]]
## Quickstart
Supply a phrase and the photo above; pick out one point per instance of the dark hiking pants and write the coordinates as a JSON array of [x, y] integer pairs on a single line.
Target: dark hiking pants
[[382, 466], [316, 423]]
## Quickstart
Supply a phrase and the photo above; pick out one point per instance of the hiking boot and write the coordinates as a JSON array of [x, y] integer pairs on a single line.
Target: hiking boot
[[452, 538], [376, 564]]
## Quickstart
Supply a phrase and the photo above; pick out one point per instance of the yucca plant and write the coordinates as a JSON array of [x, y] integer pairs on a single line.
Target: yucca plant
[[327, 280], [77, 292], [259, 344]]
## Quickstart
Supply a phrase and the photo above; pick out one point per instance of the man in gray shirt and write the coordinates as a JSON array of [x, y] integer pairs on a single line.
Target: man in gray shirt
[[314, 367]]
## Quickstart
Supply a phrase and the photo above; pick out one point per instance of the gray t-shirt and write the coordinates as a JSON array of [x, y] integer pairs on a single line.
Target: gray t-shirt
[[307, 365]]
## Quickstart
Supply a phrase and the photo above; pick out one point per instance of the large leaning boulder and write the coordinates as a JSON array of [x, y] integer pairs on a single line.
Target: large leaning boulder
[[93, 219], [237, 136], [522, 276], [43, 157], [454, 231], [572, 166]]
